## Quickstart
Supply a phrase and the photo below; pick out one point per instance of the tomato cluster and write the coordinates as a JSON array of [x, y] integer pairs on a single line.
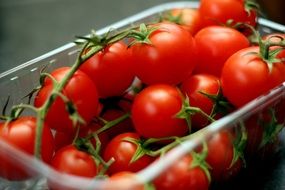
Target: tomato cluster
[[133, 98]]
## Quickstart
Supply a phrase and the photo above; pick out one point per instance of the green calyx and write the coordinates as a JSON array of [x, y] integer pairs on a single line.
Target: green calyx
[[172, 18], [142, 35], [251, 5], [271, 128], [199, 160], [187, 111]]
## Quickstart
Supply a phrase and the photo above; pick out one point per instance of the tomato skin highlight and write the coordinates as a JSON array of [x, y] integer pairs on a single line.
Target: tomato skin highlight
[[72, 161], [215, 44], [247, 74], [111, 70], [154, 112], [21, 134], [181, 176], [80, 90], [124, 180], [170, 58], [122, 151]]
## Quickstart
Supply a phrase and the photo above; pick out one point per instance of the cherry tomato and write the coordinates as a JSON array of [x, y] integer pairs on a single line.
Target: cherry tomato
[[220, 157], [124, 180], [80, 90], [154, 112], [169, 58], [122, 151], [215, 44], [217, 12], [72, 161], [188, 18], [246, 76], [192, 87], [111, 70], [21, 134], [182, 176]]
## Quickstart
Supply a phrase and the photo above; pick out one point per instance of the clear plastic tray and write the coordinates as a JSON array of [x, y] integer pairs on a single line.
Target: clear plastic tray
[[19, 81]]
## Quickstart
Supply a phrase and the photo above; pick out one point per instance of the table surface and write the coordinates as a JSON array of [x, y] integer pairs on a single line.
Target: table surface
[[30, 28]]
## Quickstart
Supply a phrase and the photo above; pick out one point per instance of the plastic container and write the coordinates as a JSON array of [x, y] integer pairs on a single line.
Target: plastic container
[[19, 81]]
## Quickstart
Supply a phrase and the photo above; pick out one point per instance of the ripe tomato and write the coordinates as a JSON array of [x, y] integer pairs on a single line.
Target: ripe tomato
[[72, 161], [154, 112], [211, 43], [188, 18], [124, 181], [246, 76], [80, 90], [220, 157], [192, 87], [216, 12], [123, 151], [170, 58], [182, 176], [21, 133], [111, 70]]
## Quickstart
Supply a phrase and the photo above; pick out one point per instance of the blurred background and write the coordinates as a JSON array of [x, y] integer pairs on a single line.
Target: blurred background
[[30, 28]]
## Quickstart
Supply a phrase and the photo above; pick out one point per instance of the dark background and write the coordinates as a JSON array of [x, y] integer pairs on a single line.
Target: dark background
[[30, 28]]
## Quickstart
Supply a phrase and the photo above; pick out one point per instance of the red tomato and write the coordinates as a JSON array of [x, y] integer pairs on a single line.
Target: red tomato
[[123, 151], [170, 58], [246, 76], [215, 44], [192, 87], [220, 157], [216, 12], [182, 176], [111, 70], [21, 133], [80, 90], [154, 112], [124, 180], [188, 18], [72, 161]]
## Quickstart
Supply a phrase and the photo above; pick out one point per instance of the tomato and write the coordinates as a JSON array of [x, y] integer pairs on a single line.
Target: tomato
[[192, 87], [122, 181], [211, 43], [182, 176], [216, 12], [154, 112], [111, 70], [123, 151], [80, 90], [72, 161], [246, 76], [170, 58], [21, 134], [188, 18], [220, 157]]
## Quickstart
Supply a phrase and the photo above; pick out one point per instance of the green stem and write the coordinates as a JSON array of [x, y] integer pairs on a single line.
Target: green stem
[[199, 110], [110, 124]]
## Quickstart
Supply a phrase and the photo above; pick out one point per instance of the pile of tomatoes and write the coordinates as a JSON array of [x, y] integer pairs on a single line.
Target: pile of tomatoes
[[143, 94]]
